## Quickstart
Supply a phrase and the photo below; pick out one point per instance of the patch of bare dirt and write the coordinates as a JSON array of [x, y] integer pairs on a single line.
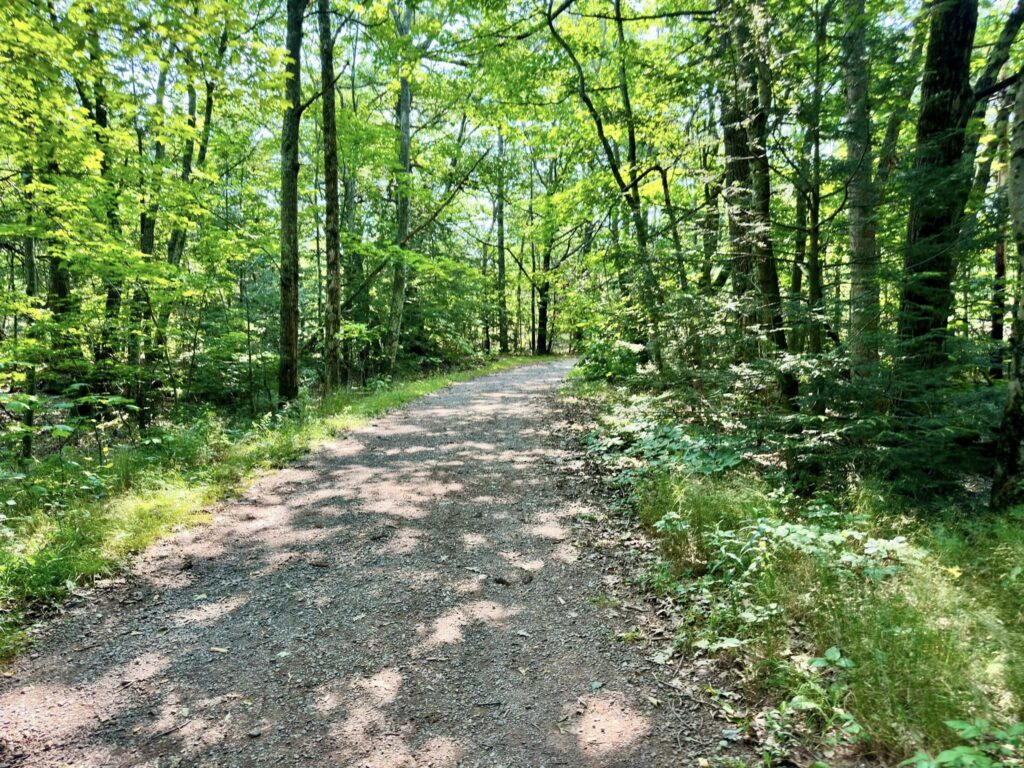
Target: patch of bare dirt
[[412, 594]]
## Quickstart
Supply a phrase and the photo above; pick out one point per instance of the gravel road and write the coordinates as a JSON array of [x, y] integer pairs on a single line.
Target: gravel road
[[410, 594]]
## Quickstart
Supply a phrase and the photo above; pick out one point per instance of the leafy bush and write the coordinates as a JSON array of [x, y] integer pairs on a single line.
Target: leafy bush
[[607, 358], [983, 746], [860, 628]]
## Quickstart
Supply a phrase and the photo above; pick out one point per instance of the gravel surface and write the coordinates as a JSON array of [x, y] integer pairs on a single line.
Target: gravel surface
[[411, 594]]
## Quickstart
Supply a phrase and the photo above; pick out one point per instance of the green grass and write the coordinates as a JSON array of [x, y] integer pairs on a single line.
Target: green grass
[[77, 516], [927, 627]]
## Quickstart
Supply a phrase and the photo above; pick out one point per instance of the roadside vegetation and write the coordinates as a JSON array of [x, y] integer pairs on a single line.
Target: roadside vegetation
[[860, 620]]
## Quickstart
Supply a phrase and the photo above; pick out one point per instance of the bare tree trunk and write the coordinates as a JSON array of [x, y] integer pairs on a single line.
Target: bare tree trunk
[[864, 288], [543, 298], [288, 370], [190, 158], [757, 95], [500, 219], [354, 269], [1009, 463], [798, 328], [998, 308], [332, 322], [815, 287], [31, 290], [673, 225], [947, 102], [626, 175], [392, 340], [712, 220], [887, 154], [737, 199]]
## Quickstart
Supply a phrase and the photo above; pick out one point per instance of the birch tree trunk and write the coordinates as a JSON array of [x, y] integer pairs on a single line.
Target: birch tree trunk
[[392, 340], [1009, 465]]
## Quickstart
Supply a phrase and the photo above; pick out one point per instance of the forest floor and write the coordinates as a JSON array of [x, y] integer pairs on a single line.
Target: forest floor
[[423, 591]]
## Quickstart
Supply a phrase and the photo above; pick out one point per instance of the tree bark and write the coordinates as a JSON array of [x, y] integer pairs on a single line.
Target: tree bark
[[500, 221], [864, 286], [627, 182], [737, 199], [31, 290], [392, 341], [543, 297], [288, 370], [815, 284], [673, 224], [359, 310], [756, 90], [1009, 461], [332, 321], [941, 184], [712, 220], [998, 308]]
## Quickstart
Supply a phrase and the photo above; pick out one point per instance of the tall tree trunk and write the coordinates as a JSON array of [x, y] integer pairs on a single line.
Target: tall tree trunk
[[500, 220], [815, 286], [543, 297], [288, 370], [796, 278], [626, 178], [533, 276], [941, 183], [31, 290], [332, 322], [112, 302], [712, 220], [737, 199], [756, 90], [140, 312], [998, 308], [673, 228], [887, 151], [392, 341], [354, 269], [1007, 486], [189, 157], [864, 287], [486, 306]]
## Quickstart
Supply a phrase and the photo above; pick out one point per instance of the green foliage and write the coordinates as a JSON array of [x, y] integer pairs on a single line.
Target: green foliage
[[985, 746], [864, 629], [604, 358]]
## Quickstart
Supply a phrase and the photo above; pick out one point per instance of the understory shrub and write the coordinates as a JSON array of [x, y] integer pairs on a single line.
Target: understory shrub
[[864, 628]]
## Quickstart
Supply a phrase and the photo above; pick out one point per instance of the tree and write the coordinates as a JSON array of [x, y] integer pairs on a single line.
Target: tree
[[755, 95], [403, 117], [288, 370], [864, 285], [332, 225]]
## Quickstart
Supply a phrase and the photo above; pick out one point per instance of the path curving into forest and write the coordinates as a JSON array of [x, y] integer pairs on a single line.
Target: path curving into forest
[[408, 595]]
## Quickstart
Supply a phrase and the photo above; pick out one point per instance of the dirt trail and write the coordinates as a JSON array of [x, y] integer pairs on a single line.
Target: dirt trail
[[408, 595]]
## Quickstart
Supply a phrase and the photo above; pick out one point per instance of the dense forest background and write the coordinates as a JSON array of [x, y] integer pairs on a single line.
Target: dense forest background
[[795, 229]]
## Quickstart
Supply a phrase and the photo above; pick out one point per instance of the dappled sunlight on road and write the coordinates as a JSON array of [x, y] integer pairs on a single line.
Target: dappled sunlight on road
[[607, 724], [398, 600]]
